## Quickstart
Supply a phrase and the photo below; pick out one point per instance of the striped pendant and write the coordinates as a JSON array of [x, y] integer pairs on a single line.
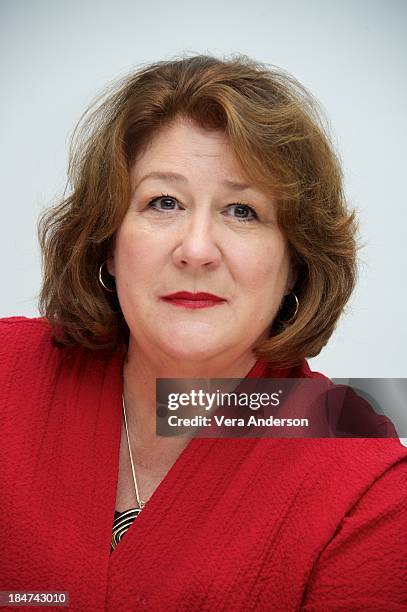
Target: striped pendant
[[121, 523]]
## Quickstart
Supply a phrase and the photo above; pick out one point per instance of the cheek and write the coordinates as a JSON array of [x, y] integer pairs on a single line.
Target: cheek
[[135, 253], [266, 267]]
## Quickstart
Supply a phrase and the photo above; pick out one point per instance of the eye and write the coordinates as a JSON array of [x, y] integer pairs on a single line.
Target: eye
[[242, 212], [164, 203]]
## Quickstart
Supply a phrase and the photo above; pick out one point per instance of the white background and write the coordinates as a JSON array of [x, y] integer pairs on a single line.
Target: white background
[[56, 56]]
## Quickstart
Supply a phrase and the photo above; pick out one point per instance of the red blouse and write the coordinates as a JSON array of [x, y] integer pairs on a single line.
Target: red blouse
[[236, 524]]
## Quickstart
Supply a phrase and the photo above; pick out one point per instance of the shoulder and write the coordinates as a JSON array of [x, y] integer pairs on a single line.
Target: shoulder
[[28, 345], [28, 351], [359, 459], [35, 371], [21, 335], [25, 340], [353, 462], [25, 347], [13, 326], [302, 370], [349, 411]]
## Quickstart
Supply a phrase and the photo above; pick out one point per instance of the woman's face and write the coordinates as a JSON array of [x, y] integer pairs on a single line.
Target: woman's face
[[195, 226]]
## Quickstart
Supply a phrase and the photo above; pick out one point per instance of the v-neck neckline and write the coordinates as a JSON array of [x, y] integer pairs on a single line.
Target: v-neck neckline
[[108, 424], [153, 510], [164, 488]]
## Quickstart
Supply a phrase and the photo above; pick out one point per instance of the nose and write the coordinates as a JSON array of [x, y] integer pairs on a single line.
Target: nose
[[197, 247]]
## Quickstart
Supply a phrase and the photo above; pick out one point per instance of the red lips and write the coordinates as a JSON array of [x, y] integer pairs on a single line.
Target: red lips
[[187, 299]]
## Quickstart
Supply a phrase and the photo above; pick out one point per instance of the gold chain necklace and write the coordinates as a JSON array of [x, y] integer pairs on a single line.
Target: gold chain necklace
[[140, 502]]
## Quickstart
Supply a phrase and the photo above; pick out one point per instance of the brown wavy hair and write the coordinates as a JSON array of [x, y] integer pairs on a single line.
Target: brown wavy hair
[[281, 140]]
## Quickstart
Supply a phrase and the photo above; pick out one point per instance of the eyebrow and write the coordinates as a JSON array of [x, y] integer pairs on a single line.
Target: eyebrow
[[175, 177]]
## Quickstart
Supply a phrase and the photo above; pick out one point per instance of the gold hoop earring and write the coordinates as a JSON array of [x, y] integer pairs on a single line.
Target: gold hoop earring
[[101, 279], [297, 305]]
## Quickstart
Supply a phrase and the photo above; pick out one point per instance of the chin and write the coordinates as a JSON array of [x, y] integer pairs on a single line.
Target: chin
[[192, 348], [192, 352]]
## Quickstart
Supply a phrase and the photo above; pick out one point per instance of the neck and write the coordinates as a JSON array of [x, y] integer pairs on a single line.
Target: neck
[[140, 373]]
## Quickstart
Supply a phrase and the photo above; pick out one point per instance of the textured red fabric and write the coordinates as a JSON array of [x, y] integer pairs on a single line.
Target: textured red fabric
[[238, 524]]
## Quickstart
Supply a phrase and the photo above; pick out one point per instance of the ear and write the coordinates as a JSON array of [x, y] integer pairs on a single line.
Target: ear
[[110, 264], [291, 280]]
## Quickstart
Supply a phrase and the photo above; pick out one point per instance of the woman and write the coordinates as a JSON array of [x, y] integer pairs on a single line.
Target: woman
[[206, 235]]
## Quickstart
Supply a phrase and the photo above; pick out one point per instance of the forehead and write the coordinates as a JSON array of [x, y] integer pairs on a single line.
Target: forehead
[[185, 146]]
